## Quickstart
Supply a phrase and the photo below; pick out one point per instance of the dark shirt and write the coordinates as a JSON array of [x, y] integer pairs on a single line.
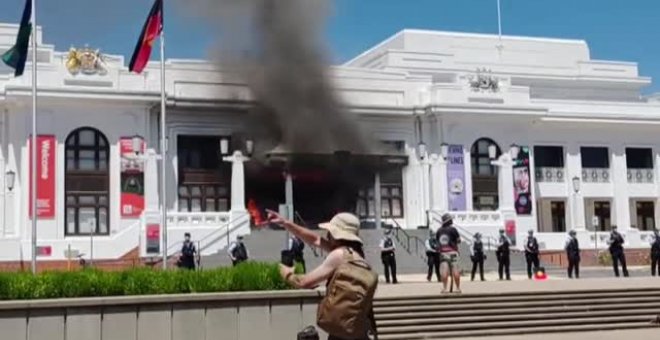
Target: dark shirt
[[504, 248], [448, 239], [616, 242], [532, 246], [573, 248], [655, 246]]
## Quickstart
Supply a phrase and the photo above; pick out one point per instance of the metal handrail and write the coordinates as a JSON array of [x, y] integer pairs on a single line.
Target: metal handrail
[[407, 246]]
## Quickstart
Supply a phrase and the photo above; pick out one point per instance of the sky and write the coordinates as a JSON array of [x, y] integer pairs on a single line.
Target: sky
[[614, 29]]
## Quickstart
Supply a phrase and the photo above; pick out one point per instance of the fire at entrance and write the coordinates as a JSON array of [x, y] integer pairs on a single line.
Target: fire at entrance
[[322, 185]]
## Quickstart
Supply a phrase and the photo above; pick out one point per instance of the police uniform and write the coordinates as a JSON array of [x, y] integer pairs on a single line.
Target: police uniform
[[432, 258], [618, 255], [188, 252], [239, 252], [655, 254], [389, 258], [504, 257], [297, 249], [572, 248], [477, 256], [531, 254]]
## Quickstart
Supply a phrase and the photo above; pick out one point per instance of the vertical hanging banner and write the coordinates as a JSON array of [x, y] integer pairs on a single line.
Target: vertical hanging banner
[[46, 151], [456, 178], [153, 238], [522, 182], [132, 178]]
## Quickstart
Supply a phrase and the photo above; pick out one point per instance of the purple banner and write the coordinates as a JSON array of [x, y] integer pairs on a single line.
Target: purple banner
[[456, 178], [522, 182]]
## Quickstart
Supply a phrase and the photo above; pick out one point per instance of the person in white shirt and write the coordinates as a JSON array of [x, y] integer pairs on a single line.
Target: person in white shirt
[[388, 256]]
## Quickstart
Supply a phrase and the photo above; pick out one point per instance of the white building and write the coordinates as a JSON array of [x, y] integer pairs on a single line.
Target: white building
[[592, 140]]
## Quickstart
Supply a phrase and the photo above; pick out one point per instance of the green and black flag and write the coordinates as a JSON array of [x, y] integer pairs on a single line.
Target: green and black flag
[[16, 56]]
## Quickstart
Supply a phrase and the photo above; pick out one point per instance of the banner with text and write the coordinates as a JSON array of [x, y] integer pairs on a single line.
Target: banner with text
[[456, 178], [132, 178], [522, 182], [46, 151]]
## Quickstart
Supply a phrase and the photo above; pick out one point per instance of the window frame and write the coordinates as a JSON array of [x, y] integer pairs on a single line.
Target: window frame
[[101, 170]]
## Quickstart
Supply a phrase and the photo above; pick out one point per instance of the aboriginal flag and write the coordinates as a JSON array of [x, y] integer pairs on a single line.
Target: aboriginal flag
[[16, 56], [151, 30]]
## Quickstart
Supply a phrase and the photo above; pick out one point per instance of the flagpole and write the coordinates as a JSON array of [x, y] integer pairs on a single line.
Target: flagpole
[[163, 148], [33, 169]]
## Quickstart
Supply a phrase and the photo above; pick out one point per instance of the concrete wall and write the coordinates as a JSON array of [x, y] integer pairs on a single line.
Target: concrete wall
[[234, 316]]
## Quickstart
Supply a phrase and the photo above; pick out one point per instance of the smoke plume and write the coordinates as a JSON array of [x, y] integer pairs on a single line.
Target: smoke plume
[[276, 46]]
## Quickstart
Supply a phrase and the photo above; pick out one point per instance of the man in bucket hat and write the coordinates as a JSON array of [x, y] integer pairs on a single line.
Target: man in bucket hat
[[341, 240]]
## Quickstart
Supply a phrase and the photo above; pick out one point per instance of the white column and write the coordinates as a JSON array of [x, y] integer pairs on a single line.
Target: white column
[[237, 180], [439, 190], [575, 201], [426, 187], [288, 195], [151, 181], [621, 198], [378, 208], [505, 183]]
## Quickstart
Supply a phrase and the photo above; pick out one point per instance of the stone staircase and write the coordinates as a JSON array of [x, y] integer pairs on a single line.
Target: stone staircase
[[480, 315]]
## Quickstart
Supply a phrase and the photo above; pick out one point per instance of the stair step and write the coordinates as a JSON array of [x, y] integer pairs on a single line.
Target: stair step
[[469, 320], [513, 323], [409, 314], [487, 299], [503, 305], [517, 294], [514, 331]]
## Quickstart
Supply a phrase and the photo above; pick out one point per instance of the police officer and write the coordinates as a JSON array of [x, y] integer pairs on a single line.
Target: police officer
[[531, 253], [238, 252], [477, 256], [188, 253], [432, 257], [572, 248], [503, 254], [297, 249], [387, 250], [615, 243], [655, 253]]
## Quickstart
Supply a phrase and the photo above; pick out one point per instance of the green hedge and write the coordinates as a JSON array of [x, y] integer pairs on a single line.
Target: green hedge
[[144, 281]]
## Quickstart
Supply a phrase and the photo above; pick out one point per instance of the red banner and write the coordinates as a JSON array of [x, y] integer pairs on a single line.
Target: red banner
[[153, 238], [132, 178], [46, 152]]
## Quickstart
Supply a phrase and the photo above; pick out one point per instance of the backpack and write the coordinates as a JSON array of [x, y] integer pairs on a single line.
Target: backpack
[[346, 309], [240, 253]]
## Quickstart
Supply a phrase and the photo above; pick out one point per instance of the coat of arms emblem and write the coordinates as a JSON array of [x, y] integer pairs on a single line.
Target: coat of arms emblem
[[85, 61], [483, 81]]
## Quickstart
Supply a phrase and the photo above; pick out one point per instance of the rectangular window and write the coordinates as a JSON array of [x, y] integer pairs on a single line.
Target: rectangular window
[[595, 157], [639, 158], [391, 189], [204, 179], [549, 156], [558, 212], [645, 216], [602, 210]]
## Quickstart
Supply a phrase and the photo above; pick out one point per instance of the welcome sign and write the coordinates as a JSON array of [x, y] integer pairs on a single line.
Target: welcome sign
[[46, 152]]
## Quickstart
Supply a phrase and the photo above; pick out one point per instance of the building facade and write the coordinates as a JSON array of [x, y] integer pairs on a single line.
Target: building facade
[[516, 133]]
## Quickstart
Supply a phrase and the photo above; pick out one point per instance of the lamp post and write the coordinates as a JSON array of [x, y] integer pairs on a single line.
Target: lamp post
[[10, 180]]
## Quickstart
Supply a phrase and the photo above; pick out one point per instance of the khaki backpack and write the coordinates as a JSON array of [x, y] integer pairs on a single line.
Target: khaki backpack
[[346, 309]]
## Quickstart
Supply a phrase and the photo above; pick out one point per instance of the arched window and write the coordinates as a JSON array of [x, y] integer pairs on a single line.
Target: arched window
[[484, 175], [87, 182]]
